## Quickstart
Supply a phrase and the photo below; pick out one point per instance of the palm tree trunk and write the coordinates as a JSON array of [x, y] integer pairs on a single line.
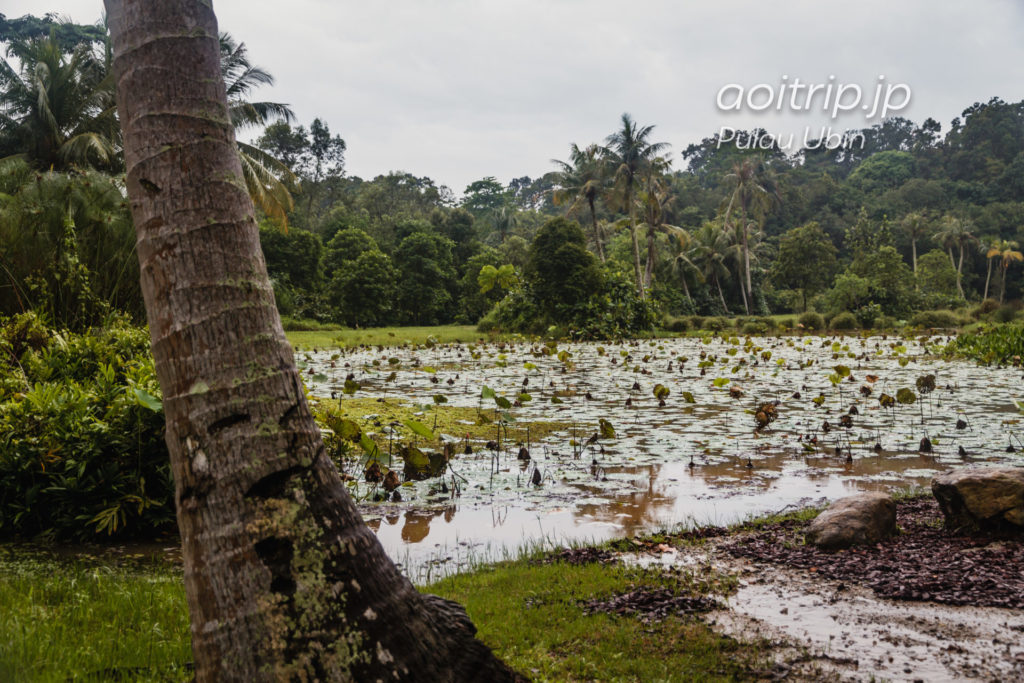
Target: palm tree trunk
[[283, 579], [746, 267], [721, 297], [988, 278], [636, 247], [743, 295], [959, 273], [649, 266], [598, 233], [1002, 283], [913, 253]]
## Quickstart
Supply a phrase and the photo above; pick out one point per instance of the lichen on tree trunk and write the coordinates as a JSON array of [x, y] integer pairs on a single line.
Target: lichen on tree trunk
[[283, 578]]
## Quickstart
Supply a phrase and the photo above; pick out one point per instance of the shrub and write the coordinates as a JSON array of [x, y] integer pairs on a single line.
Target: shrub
[[811, 321], [754, 327], [696, 322], [715, 324], [935, 319], [306, 325], [845, 321], [885, 322], [672, 323], [868, 314], [785, 323], [988, 306], [1005, 314], [81, 434]]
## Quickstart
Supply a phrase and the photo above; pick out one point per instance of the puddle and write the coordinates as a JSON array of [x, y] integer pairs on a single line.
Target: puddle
[[697, 463], [866, 638]]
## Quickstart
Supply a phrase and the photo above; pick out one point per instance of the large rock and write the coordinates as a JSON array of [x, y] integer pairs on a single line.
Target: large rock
[[854, 520], [981, 498]]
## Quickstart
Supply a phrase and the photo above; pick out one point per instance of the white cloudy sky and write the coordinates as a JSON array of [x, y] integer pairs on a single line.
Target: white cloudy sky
[[461, 89]]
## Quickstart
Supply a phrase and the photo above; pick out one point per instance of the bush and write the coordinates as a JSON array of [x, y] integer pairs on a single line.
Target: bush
[[696, 322], [935, 319], [844, 321], [868, 314], [988, 306], [754, 327], [672, 323], [885, 322], [715, 324], [81, 434], [785, 324], [306, 325], [811, 321], [1005, 314]]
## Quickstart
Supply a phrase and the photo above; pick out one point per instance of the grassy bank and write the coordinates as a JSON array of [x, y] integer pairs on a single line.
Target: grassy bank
[[102, 619], [386, 336]]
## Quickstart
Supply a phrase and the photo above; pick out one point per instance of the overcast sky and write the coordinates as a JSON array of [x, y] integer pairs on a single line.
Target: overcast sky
[[459, 89]]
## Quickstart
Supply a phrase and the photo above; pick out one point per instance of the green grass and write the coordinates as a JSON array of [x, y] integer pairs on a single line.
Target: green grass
[[387, 336], [66, 619], [531, 615], [81, 619]]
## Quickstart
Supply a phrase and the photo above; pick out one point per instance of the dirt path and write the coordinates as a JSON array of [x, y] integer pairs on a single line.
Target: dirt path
[[923, 606], [849, 631]]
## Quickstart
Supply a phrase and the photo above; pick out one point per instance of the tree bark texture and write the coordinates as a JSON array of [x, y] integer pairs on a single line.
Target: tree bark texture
[[284, 581]]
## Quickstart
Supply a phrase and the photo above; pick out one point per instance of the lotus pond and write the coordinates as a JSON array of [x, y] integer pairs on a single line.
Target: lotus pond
[[479, 449]]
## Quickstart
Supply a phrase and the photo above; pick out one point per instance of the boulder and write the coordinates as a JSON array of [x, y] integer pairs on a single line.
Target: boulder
[[855, 520], [981, 498]]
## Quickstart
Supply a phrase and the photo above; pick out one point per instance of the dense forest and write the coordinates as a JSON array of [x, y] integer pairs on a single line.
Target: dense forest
[[623, 233]]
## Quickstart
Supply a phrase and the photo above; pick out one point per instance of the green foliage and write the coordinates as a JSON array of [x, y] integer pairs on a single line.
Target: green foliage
[[82, 452], [673, 323], [294, 257], [991, 345], [806, 260], [936, 319], [565, 288], [845, 321], [811, 321], [427, 278], [561, 272], [1005, 314], [889, 279], [936, 278], [67, 246], [361, 292]]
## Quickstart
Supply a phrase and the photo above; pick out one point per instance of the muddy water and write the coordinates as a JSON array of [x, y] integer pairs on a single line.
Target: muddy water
[[693, 462]]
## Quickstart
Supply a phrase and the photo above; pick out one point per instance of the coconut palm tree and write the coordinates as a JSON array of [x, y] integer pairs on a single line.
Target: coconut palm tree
[[682, 264], [57, 108], [709, 253], [988, 247], [916, 225], [505, 220], [1006, 252], [652, 202], [956, 232], [267, 179], [282, 577], [630, 154], [580, 181], [751, 199]]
